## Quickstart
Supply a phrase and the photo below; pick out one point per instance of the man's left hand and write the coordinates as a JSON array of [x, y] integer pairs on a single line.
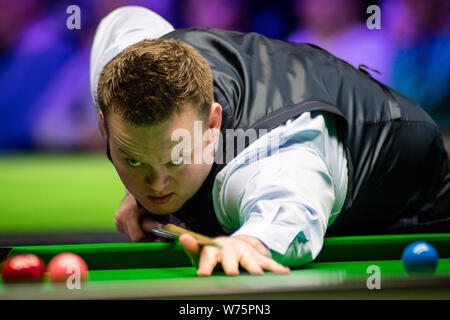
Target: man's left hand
[[245, 251]]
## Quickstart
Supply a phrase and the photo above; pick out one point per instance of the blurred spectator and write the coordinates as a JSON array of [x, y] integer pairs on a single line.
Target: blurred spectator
[[64, 116], [274, 19], [35, 56], [339, 27], [14, 17], [421, 69], [44, 67], [45, 101], [222, 14]]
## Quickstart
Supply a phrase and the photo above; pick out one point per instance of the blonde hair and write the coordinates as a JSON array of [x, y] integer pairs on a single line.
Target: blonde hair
[[150, 80]]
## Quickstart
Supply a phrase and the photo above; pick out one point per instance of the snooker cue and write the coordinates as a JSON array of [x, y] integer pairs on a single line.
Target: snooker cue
[[174, 232]]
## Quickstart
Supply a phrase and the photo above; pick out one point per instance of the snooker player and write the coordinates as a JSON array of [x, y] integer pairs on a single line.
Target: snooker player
[[328, 149]]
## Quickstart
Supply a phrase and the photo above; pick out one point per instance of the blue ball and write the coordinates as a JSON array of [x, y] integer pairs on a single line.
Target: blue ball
[[420, 258]]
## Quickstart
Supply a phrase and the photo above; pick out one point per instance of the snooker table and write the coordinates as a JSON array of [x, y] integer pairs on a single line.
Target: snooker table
[[161, 270]]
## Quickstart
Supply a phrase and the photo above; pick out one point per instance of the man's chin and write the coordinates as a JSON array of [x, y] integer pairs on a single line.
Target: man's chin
[[160, 212], [162, 209]]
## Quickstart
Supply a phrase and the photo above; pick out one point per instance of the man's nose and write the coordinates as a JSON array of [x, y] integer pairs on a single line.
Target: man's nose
[[157, 180]]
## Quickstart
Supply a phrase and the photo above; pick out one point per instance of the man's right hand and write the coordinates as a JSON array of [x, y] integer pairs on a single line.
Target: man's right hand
[[131, 221]]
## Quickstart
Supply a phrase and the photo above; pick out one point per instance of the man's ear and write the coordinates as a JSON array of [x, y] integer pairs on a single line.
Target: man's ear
[[215, 116], [102, 118]]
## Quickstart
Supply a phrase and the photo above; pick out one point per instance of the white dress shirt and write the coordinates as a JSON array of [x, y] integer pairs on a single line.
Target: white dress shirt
[[286, 198]]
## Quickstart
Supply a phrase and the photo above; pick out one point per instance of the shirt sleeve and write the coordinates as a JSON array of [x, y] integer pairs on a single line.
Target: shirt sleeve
[[286, 201]]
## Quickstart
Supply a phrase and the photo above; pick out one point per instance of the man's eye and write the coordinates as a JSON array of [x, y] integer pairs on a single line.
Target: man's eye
[[134, 163], [176, 162]]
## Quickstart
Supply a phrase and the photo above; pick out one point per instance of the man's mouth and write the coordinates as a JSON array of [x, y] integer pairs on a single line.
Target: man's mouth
[[162, 199]]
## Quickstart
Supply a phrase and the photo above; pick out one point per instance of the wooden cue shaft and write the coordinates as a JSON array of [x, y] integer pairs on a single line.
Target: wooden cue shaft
[[203, 240]]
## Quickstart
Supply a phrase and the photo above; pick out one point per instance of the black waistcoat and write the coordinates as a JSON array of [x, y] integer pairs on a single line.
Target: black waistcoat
[[388, 138]]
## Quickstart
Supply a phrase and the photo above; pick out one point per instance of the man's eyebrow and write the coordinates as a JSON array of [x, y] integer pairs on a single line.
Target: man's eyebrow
[[124, 151], [129, 154]]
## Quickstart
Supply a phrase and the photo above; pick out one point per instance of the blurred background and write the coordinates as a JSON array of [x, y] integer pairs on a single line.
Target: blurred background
[[53, 173]]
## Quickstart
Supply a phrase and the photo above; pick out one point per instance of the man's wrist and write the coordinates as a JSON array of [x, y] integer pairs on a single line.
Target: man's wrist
[[254, 242]]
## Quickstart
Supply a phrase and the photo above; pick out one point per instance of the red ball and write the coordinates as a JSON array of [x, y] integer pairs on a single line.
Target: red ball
[[23, 268], [65, 265]]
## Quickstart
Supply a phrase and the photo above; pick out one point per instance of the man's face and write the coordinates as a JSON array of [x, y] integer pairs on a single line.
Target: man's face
[[143, 158]]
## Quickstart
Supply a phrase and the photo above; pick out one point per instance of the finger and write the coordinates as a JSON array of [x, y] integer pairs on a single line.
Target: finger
[[191, 248], [118, 221], [230, 261], [271, 265], [119, 226], [189, 243], [148, 224], [249, 263], [134, 230], [208, 260]]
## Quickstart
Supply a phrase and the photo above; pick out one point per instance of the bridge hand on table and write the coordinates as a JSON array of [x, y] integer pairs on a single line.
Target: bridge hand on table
[[235, 251]]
